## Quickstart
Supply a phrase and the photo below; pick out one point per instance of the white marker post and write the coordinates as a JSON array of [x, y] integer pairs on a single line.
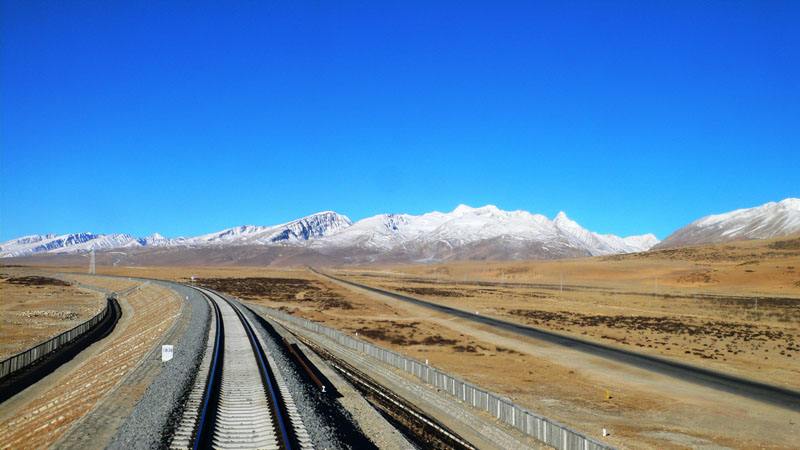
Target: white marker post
[[166, 353]]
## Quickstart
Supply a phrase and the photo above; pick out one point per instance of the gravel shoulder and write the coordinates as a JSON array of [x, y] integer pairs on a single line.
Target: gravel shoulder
[[43, 419], [159, 408], [371, 422], [138, 412], [477, 428], [328, 423]]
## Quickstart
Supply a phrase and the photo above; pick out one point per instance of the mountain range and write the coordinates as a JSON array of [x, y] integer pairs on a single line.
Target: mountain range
[[462, 234], [769, 220]]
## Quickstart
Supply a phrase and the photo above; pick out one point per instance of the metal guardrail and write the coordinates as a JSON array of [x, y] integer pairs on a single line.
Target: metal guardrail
[[531, 424], [30, 356]]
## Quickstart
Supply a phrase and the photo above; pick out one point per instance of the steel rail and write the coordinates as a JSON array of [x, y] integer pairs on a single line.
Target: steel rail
[[205, 426], [209, 412], [277, 403]]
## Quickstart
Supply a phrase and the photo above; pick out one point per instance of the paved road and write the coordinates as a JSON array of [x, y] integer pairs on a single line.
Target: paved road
[[779, 396]]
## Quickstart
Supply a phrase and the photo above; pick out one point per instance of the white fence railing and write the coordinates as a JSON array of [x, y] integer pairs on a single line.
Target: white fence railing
[[534, 425]]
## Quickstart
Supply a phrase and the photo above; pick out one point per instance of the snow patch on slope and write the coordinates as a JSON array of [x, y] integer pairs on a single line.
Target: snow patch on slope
[[769, 220], [463, 232]]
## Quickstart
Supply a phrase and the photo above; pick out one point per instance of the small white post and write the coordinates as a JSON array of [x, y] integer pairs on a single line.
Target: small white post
[[166, 352], [91, 262]]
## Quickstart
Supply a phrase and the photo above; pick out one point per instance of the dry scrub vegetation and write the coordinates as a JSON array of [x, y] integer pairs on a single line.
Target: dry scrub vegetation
[[34, 308], [735, 306], [732, 307], [281, 290]]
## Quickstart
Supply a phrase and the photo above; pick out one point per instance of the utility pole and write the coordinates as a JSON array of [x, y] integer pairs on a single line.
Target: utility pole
[[561, 288], [91, 262]]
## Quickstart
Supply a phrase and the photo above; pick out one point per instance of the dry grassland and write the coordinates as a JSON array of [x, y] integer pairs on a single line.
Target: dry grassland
[[38, 417], [33, 309], [701, 301], [733, 307]]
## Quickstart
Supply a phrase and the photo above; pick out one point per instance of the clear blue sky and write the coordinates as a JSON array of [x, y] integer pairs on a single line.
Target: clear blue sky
[[188, 117]]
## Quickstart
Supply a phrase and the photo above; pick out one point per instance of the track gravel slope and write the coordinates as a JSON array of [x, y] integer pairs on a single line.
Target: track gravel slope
[[148, 313]]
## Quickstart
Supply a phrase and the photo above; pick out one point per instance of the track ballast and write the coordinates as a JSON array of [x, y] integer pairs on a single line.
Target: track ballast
[[243, 405]]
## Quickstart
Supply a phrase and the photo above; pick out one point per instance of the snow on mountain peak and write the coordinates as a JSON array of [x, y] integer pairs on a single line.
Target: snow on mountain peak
[[771, 219], [76, 242], [468, 226], [461, 209], [647, 241], [429, 236], [485, 209]]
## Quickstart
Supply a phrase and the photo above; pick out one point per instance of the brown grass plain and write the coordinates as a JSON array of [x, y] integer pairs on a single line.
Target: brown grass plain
[[732, 307], [34, 309]]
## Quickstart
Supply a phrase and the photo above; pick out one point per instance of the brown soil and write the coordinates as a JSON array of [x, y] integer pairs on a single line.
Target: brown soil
[[734, 306], [34, 309], [431, 291], [285, 290], [36, 281], [724, 339], [789, 244], [400, 333], [45, 414], [743, 319]]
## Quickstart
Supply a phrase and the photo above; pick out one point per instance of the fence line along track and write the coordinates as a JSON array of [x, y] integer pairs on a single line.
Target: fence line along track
[[433, 433], [243, 405], [503, 409], [21, 360], [26, 368]]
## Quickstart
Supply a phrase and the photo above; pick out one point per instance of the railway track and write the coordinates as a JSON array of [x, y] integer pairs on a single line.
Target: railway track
[[239, 399]]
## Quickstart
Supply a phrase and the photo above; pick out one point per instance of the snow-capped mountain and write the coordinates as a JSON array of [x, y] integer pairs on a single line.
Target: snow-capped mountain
[[309, 227], [157, 240], [469, 231], [65, 243], [464, 233], [773, 219]]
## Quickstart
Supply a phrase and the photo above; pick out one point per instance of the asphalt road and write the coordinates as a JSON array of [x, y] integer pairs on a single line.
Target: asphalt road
[[776, 395]]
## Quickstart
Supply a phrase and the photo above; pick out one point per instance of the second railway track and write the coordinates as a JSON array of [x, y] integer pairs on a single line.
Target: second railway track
[[238, 400]]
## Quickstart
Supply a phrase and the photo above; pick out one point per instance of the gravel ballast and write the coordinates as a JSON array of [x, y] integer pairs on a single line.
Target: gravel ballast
[[328, 423], [160, 406]]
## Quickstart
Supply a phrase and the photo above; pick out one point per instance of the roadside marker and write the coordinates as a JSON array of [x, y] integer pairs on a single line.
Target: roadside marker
[[166, 353]]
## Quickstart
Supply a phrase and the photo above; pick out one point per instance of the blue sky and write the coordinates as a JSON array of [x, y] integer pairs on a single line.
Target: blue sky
[[188, 117]]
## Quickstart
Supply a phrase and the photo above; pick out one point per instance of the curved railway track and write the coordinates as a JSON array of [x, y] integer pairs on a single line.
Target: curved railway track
[[238, 400]]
